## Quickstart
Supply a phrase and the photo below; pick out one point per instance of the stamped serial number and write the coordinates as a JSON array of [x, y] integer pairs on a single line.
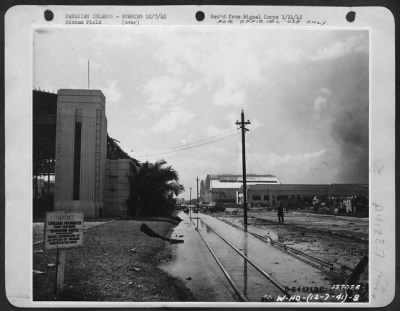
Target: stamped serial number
[[306, 289], [345, 287]]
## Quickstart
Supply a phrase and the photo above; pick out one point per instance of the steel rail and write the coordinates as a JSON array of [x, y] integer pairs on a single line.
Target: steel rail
[[297, 252], [286, 248], [242, 297], [265, 274]]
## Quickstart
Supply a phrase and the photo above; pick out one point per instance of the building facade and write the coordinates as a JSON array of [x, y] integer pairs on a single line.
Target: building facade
[[72, 151], [266, 191], [81, 151], [299, 195], [224, 188]]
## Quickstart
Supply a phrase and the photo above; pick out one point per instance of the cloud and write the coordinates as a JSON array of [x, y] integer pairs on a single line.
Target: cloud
[[229, 96], [341, 48], [162, 90], [112, 92], [325, 91], [190, 88], [224, 65], [320, 104], [212, 130], [298, 158], [170, 121], [231, 118], [292, 167], [255, 124]]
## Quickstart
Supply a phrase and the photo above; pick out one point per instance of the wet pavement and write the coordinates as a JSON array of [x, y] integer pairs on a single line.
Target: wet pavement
[[193, 263], [193, 260]]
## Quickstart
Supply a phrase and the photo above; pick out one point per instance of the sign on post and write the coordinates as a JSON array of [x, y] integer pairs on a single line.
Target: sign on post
[[63, 230]]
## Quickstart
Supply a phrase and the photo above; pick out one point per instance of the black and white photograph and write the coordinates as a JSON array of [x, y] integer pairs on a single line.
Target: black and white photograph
[[149, 133], [203, 163]]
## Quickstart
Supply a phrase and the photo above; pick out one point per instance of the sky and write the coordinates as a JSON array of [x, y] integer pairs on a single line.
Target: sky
[[175, 93]]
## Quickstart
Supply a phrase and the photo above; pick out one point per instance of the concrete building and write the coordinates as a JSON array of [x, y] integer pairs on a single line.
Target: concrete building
[[224, 188], [116, 187], [298, 195], [72, 148], [81, 151], [266, 190]]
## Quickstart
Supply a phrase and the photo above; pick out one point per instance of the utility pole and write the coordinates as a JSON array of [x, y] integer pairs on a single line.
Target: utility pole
[[197, 196], [242, 125], [190, 202]]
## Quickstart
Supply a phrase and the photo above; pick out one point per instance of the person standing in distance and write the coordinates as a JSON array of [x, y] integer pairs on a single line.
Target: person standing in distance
[[280, 212]]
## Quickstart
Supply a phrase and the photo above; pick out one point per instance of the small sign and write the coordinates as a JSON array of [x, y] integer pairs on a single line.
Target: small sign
[[63, 230]]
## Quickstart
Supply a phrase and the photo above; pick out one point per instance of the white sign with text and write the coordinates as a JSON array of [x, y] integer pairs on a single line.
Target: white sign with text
[[63, 230]]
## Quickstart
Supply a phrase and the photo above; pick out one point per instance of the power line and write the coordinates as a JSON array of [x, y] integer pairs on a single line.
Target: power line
[[188, 148], [196, 144]]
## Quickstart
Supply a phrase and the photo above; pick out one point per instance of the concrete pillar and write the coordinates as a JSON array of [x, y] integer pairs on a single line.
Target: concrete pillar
[[82, 165]]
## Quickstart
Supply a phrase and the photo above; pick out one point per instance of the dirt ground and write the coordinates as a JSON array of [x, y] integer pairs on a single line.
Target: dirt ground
[[342, 241], [118, 262]]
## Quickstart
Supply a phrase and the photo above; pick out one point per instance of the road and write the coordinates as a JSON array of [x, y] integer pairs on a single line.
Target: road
[[193, 263]]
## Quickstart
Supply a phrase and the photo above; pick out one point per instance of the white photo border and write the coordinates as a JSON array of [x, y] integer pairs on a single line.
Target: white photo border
[[20, 21]]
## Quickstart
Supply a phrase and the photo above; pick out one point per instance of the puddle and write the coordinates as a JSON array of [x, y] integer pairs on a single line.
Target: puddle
[[193, 259]]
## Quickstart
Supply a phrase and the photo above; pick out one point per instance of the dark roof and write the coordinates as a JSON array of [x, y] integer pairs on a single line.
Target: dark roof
[[44, 103]]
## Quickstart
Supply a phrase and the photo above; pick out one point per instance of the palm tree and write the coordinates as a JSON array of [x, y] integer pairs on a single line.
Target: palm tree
[[152, 189]]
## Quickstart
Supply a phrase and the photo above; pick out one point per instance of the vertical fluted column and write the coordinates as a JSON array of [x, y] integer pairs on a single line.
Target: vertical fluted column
[[88, 108]]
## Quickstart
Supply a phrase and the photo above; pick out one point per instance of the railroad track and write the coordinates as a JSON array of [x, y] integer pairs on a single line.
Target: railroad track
[[290, 250], [219, 250]]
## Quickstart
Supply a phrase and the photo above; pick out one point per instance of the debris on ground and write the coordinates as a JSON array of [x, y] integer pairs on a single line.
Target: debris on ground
[[38, 272], [147, 230], [267, 298], [134, 268]]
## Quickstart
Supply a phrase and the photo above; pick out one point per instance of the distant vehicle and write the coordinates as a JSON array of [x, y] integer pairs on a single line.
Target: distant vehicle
[[216, 209]]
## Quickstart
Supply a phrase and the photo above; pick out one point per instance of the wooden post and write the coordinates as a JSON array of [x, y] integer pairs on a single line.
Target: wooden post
[[60, 269], [62, 230]]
